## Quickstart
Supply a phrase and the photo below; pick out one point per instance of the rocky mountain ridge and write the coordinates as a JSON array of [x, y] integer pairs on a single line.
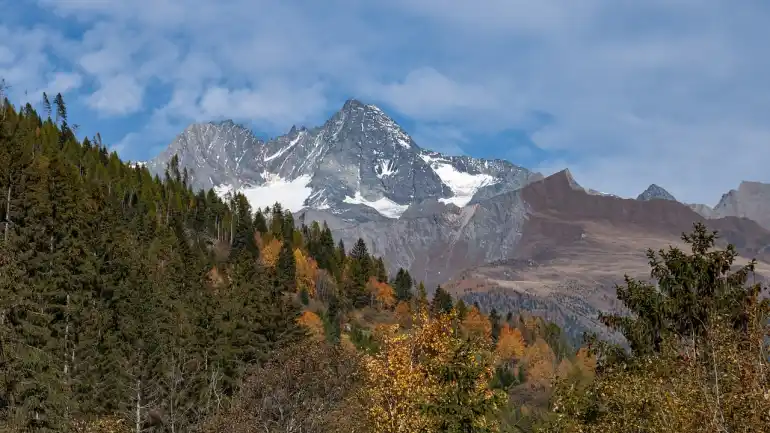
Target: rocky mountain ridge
[[360, 166]]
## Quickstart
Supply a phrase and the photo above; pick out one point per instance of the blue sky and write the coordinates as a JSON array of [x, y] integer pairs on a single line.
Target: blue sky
[[624, 93]]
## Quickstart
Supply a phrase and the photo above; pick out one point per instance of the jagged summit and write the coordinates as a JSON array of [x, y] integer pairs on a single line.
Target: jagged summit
[[359, 165], [655, 192]]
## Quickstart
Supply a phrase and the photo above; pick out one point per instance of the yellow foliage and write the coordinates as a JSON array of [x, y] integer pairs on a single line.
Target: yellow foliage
[[314, 323], [405, 375], [510, 344], [269, 254], [540, 361], [723, 386], [477, 324], [307, 271], [102, 425], [383, 293]]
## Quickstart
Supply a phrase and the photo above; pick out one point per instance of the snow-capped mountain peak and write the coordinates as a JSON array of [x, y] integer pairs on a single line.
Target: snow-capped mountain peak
[[360, 165]]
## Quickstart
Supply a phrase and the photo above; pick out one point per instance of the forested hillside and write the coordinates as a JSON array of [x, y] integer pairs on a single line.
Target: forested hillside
[[131, 303]]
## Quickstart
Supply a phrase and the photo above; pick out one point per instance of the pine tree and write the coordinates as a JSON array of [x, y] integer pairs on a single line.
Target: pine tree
[[403, 285], [359, 271], [286, 269]]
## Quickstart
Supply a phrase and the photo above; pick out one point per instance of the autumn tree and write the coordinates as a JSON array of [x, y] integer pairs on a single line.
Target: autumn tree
[[510, 345], [306, 273], [270, 253], [477, 324], [382, 293], [313, 323], [430, 379]]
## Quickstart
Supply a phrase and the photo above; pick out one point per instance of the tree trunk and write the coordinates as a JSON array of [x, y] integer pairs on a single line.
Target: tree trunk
[[138, 406], [7, 213]]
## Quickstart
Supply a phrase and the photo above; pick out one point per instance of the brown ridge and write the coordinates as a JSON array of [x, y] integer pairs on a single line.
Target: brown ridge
[[560, 210]]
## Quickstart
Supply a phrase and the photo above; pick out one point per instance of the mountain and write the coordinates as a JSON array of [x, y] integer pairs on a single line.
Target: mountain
[[655, 192], [359, 166], [751, 200], [572, 248]]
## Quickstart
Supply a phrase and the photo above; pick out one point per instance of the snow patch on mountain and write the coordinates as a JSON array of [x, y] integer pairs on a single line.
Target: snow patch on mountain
[[386, 207], [290, 193], [463, 185], [385, 169]]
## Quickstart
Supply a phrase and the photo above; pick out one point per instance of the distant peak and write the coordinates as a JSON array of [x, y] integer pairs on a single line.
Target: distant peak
[[353, 104], [655, 192]]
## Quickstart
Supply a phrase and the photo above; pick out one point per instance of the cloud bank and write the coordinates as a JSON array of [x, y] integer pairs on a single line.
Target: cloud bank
[[623, 93]]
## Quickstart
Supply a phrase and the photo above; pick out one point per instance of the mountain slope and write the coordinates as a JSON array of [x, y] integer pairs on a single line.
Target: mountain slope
[[360, 165]]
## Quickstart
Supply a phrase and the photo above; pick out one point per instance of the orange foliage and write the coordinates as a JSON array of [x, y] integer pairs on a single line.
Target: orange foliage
[[270, 252], [307, 270], [314, 323], [477, 324], [510, 344], [383, 293], [403, 313]]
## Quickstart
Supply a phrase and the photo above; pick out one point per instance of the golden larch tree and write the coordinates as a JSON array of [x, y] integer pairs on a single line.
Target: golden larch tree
[[540, 363], [409, 374], [510, 344], [477, 324], [314, 323], [270, 252], [307, 271]]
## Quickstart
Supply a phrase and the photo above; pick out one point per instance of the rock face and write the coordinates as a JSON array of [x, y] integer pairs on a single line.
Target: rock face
[[751, 200], [360, 166], [655, 192]]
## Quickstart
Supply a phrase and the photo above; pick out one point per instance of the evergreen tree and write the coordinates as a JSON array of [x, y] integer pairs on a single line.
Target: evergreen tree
[[689, 287], [494, 320], [359, 270], [286, 268], [442, 302], [402, 285]]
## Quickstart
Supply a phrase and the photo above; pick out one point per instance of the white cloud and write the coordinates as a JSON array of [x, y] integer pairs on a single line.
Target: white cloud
[[633, 88], [275, 103], [63, 82], [117, 95], [427, 94]]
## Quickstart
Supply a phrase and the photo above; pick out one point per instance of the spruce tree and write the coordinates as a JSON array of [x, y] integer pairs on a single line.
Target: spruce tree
[[402, 285], [441, 302]]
